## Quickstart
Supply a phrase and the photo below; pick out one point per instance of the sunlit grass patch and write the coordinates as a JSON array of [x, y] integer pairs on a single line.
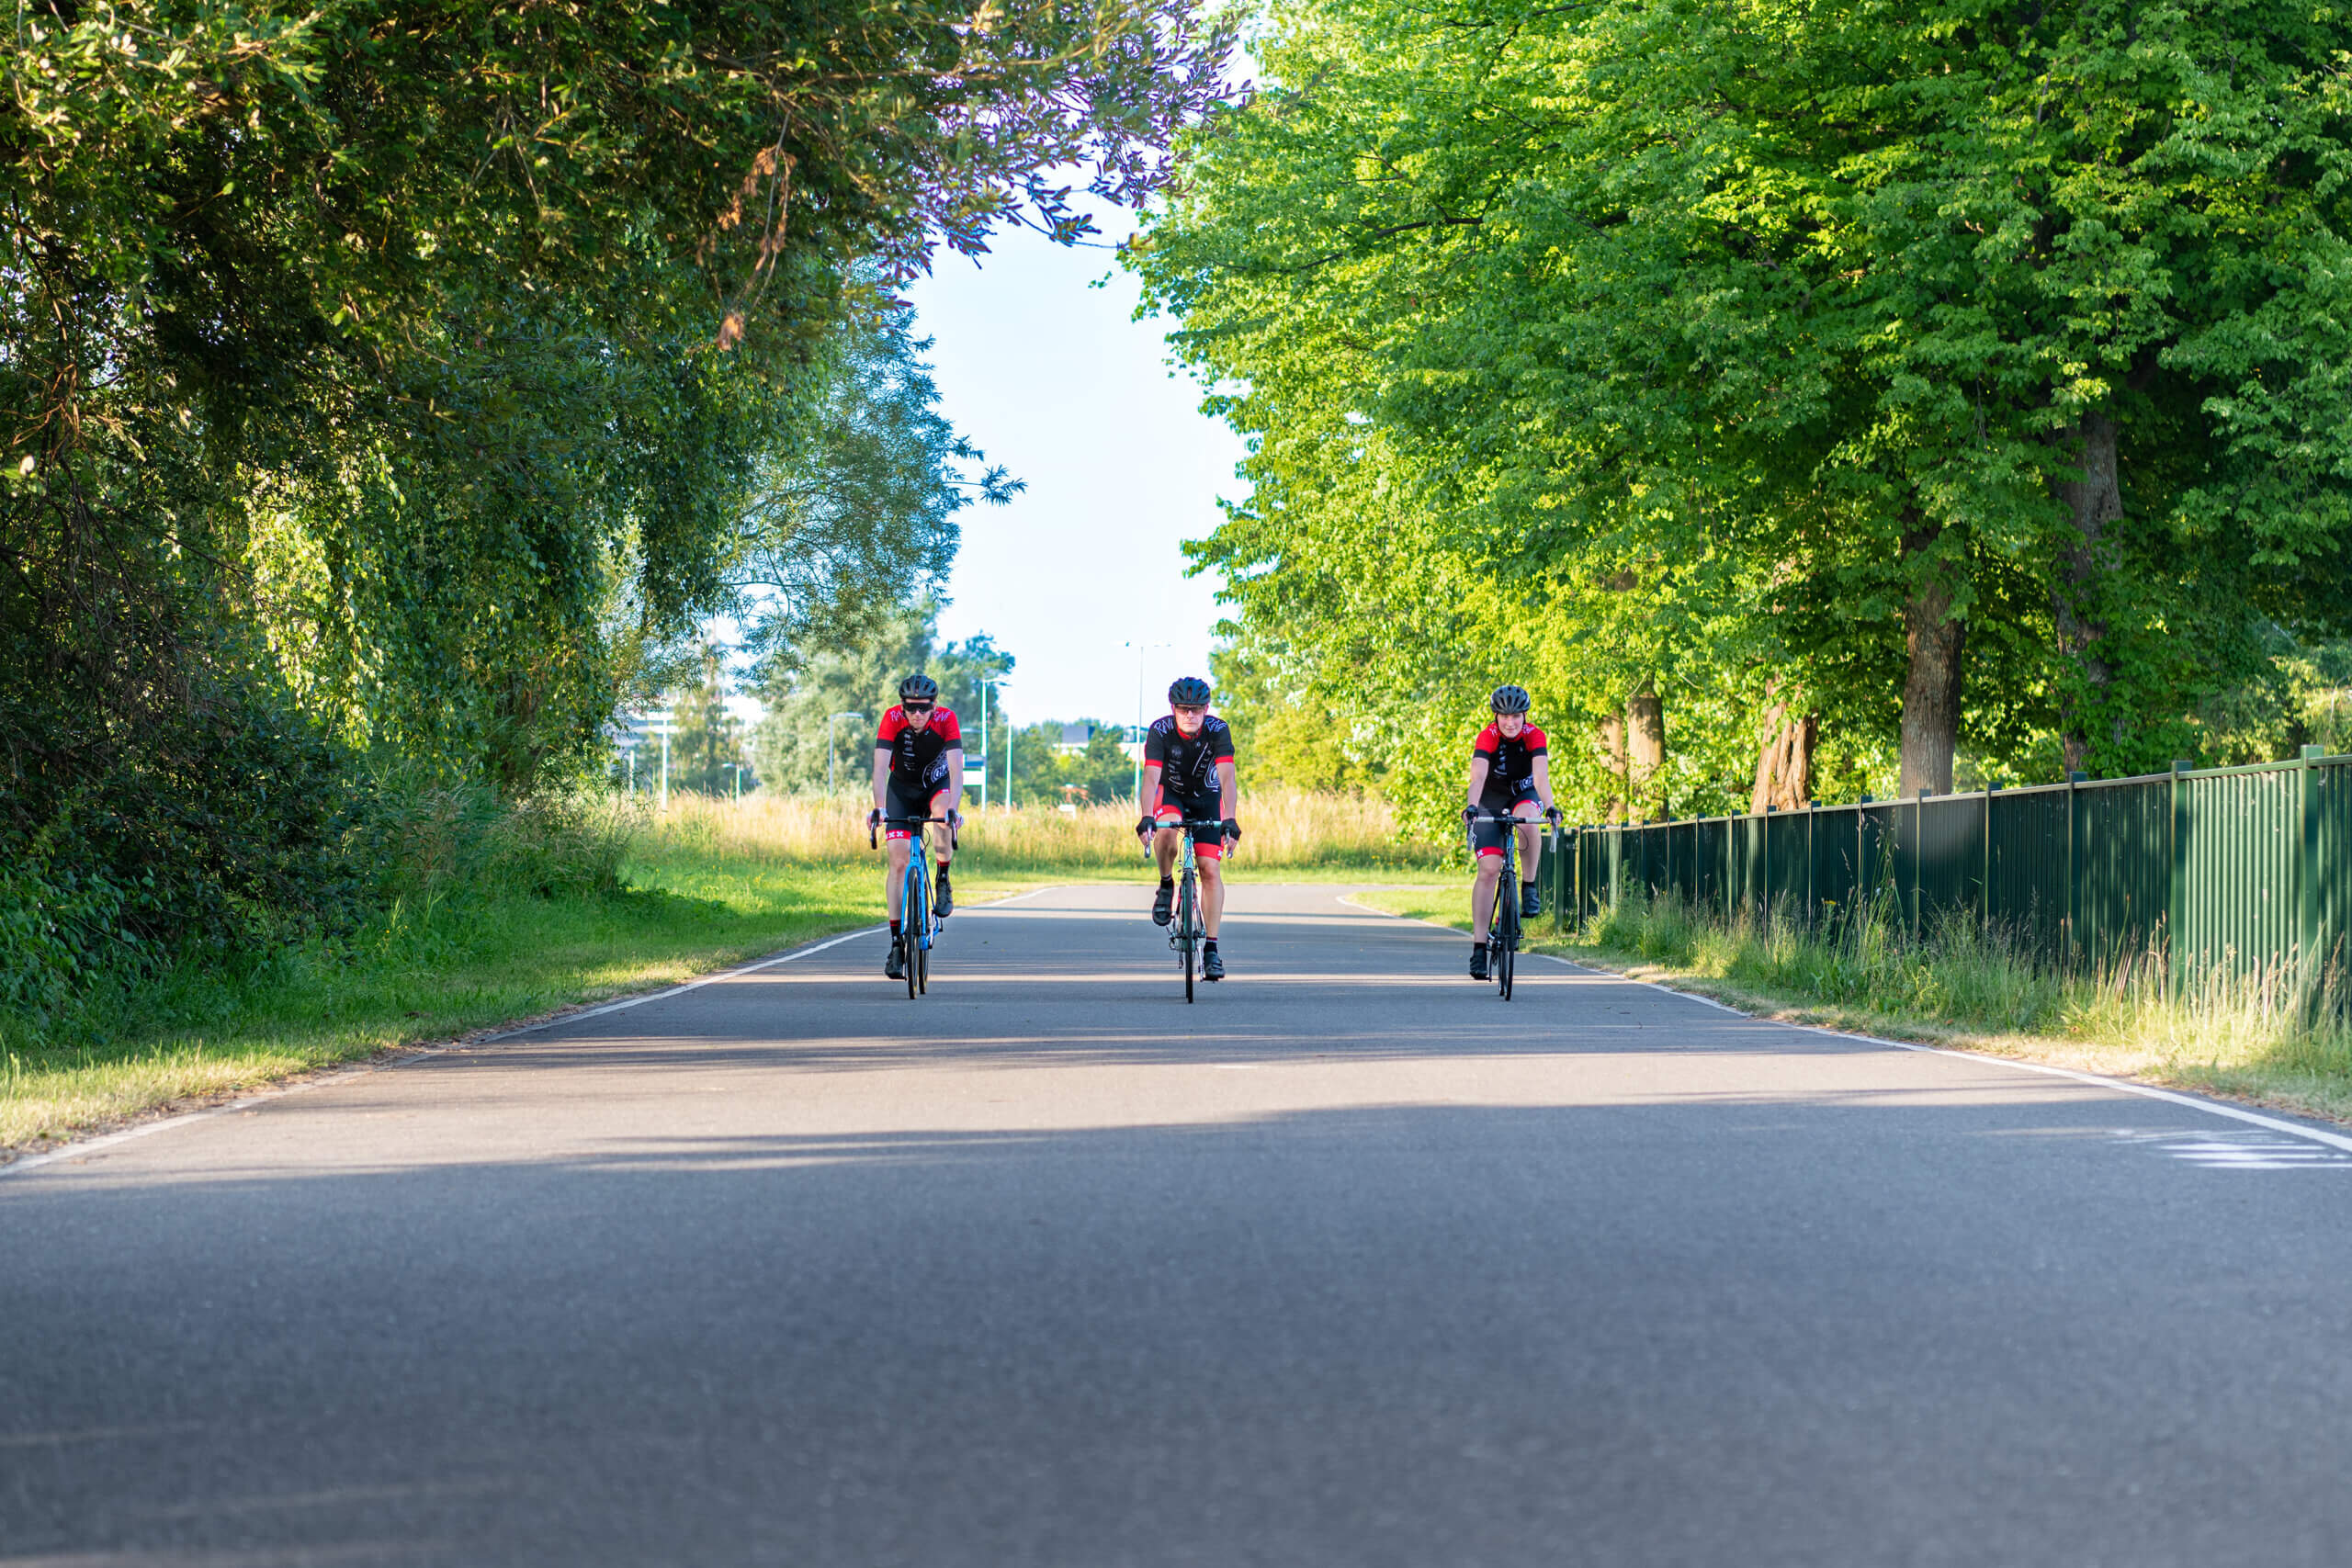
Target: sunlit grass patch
[[1284, 830]]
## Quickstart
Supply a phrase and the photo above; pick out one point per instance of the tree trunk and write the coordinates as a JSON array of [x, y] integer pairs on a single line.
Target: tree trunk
[[1936, 639], [2094, 503], [1645, 728], [1784, 764], [1612, 754]]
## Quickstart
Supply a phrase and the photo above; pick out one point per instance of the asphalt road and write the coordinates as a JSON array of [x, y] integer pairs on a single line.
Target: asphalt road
[[1348, 1263]]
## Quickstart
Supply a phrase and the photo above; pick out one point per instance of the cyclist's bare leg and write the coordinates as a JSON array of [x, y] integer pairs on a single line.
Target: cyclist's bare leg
[[1211, 891], [1530, 838], [1164, 846], [1482, 895], [894, 881], [943, 843]]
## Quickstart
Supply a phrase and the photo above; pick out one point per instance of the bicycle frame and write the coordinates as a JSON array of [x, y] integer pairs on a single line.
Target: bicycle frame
[[1189, 929], [1503, 921], [917, 917]]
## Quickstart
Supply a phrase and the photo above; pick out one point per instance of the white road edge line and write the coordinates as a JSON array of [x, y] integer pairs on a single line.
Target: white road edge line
[[76, 1150], [2122, 1086]]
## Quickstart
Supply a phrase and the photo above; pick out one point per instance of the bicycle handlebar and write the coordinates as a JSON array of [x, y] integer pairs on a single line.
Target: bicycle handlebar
[[1472, 814]]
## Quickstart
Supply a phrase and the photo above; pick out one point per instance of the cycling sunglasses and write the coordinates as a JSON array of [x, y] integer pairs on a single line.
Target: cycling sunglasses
[[916, 707]]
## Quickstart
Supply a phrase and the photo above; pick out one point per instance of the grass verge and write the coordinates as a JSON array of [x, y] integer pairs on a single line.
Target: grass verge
[[2277, 1039], [468, 948], [432, 970]]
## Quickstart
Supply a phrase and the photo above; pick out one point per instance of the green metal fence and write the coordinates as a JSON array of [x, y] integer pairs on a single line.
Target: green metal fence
[[2240, 866]]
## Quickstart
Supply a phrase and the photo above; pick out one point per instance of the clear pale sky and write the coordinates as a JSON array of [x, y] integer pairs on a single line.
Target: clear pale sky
[[1055, 380]]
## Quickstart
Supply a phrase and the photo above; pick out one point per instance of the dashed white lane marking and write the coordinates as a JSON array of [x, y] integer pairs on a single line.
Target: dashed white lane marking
[[2241, 1151]]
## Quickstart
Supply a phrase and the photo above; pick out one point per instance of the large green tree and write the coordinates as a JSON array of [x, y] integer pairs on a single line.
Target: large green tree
[[414, 374], [1977, 368]]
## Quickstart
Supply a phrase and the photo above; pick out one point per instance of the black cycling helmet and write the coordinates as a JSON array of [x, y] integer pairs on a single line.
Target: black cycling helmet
[[917, 689], [1511, 699], [1189, 691]]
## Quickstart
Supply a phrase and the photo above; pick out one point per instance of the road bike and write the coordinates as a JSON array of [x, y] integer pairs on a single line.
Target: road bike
[[1188, 930], [918, 918], [1503, 925]]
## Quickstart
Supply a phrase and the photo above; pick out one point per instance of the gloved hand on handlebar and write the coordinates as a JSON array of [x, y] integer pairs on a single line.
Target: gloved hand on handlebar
[[1144, 826], [874, 818], [1233, 830]]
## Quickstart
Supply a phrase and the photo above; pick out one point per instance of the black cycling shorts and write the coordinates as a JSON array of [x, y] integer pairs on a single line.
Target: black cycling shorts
[[1486, 838], [932, 802], [1208, 843]]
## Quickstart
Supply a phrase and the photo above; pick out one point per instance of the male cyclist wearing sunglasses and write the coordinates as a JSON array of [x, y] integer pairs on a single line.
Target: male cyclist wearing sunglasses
[[1188, 774], [918, 772]]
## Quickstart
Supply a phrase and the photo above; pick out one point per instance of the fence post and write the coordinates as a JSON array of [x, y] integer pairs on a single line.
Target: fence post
[[1764, 883], [2177, 883], [1865, 886], [2307, 858], [1984, 898], [1731, 861], [1918, 857], [1812, 861], [2074, 864]]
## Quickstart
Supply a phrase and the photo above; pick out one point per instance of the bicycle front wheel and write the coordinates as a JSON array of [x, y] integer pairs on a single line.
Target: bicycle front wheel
[[916, 922], [1188, 930]]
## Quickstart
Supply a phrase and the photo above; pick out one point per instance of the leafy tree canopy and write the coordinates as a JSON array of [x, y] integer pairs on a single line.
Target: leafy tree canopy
[[1978, 368]]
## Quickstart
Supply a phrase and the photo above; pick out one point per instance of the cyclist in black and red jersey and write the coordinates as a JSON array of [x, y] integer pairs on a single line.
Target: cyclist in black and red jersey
[[1187, 775], [1512, 775], [918, 772]]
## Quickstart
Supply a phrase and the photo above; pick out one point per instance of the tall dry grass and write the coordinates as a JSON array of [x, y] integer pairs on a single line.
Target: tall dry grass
[[1283, 829]]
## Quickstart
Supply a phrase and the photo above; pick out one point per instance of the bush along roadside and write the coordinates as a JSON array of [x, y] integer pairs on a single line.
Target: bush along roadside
[[2278, 1034]]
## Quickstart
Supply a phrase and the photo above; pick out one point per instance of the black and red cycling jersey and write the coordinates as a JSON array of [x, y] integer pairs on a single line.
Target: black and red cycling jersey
[[1187, 763], [918, 757], [1511, 764]]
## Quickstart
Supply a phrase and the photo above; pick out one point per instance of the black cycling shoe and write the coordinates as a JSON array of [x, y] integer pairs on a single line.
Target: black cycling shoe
[[1163, 904], [1212, 964], [1530, 903], [895, 965], [1478, 961], [944, 899]]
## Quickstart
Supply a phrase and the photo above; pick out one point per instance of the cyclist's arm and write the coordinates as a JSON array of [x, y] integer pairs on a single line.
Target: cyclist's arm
[[1544, 780], [955, 755], [1151, 775], [1228, 795], [881, 778], [1480, 763]]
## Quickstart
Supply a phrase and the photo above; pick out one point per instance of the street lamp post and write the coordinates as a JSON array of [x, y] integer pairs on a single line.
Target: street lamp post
[[830, 784], [986, 757]]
